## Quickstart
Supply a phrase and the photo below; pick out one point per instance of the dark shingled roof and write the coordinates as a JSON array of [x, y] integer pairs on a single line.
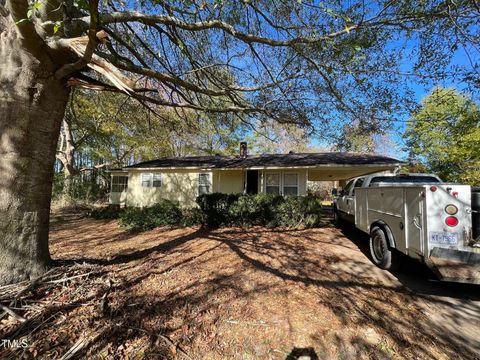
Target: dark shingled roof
[[270, 160]]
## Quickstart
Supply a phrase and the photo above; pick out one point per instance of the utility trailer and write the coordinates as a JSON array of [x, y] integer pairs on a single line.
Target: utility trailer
[[428, 222]]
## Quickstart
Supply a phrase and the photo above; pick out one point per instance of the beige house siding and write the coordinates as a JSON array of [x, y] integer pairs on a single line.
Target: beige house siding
[[118, 198], [181, 185], [228, 181], [177, 185]]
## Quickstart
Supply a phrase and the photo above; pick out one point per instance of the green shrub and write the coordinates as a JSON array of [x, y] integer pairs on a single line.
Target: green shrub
[[107, 212], [298, 211], [163, 213], [215, 208], [257, 209], [192, 217], [135, 219]]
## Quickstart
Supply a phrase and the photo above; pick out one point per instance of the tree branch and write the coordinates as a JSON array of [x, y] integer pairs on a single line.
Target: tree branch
[[93, 41], [129, 16]]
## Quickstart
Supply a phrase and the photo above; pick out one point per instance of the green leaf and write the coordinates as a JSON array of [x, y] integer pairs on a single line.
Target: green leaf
[[57, 26], [36, 5]]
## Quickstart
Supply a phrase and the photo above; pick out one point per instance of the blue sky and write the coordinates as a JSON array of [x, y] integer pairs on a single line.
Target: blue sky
[[397, 45], [459, 59], [420, 91]]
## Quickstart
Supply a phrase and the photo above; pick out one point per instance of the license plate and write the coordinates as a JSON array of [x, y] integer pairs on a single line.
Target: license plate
[[444, 238]]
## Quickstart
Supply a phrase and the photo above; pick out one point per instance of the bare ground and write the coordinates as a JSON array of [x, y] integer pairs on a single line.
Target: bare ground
[[236, 293]]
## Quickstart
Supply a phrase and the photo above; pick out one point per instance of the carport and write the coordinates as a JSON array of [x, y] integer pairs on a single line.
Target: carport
[[324, 166]]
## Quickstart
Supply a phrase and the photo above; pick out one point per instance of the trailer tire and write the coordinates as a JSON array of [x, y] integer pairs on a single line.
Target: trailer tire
[[380, 252]]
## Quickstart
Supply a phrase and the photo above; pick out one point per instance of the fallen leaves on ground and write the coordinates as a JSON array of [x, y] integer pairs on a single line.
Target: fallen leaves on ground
[[228, 293]]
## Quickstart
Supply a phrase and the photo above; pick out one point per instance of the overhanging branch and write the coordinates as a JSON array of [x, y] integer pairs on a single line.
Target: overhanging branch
[[130, 16], [94, 39]]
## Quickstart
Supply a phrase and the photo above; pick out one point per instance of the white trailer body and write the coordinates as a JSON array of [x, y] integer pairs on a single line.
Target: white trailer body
[[417, 223]]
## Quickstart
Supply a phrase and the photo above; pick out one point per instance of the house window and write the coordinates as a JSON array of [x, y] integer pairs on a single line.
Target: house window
[[119, 183], [151, 180], [146, 179], [157, 180], [290, 184], [272, 182], [203, 183]]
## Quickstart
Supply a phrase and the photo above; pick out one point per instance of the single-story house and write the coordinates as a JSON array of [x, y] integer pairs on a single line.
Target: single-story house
[[182, 179]]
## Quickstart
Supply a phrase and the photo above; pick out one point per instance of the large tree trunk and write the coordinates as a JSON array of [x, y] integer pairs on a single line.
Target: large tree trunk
[[32, 104]]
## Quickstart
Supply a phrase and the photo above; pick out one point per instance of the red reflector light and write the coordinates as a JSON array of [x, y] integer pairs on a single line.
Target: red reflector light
[[433, 188], [451, 221]]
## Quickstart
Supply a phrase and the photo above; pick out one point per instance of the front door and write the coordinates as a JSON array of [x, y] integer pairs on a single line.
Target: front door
[[252, 181]]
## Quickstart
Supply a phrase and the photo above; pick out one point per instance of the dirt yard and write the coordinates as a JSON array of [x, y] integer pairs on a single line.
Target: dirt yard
[[237, 293]]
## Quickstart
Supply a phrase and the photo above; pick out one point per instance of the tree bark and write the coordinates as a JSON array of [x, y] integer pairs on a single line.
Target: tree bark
[[66, 155], [32, 104]]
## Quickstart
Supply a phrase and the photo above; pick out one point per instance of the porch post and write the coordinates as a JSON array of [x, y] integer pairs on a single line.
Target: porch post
[[244, 181], [262, 180]]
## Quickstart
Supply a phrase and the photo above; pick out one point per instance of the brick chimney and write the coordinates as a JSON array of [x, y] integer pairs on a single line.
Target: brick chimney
[[243, 149]]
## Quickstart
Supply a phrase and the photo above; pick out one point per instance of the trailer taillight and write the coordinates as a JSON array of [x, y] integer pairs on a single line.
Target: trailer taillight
[[451, 221], [451, 209]]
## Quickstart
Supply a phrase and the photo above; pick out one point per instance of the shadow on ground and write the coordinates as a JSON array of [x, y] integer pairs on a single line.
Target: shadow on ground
[[234, 293]]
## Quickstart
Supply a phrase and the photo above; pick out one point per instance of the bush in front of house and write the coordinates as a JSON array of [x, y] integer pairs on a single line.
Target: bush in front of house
[[163, 213], [192, 217], [260, 209], [257, 209], [107, 212], [219, 210], [298, 211], [215, 208], [135, 219]]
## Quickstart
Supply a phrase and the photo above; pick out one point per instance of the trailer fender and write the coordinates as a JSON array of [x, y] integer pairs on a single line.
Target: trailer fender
[[382, 224]]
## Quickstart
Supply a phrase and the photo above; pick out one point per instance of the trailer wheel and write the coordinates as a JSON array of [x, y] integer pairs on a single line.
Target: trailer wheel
[[381, 254]]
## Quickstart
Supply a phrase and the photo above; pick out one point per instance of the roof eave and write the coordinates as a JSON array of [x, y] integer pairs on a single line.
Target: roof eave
[[261, 167]]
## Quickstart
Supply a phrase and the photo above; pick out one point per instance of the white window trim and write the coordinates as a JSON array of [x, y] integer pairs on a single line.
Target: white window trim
[[150, 178], [279, 182], [290, 186], [209, 180], [159, 178], [112, 184]]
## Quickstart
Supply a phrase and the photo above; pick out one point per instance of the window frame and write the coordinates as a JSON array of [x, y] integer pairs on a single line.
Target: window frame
[[115, 185], [207, 185], [348, 187], [279, 186], [148, 181], [358, 183], [157, 178], [297, 187]]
